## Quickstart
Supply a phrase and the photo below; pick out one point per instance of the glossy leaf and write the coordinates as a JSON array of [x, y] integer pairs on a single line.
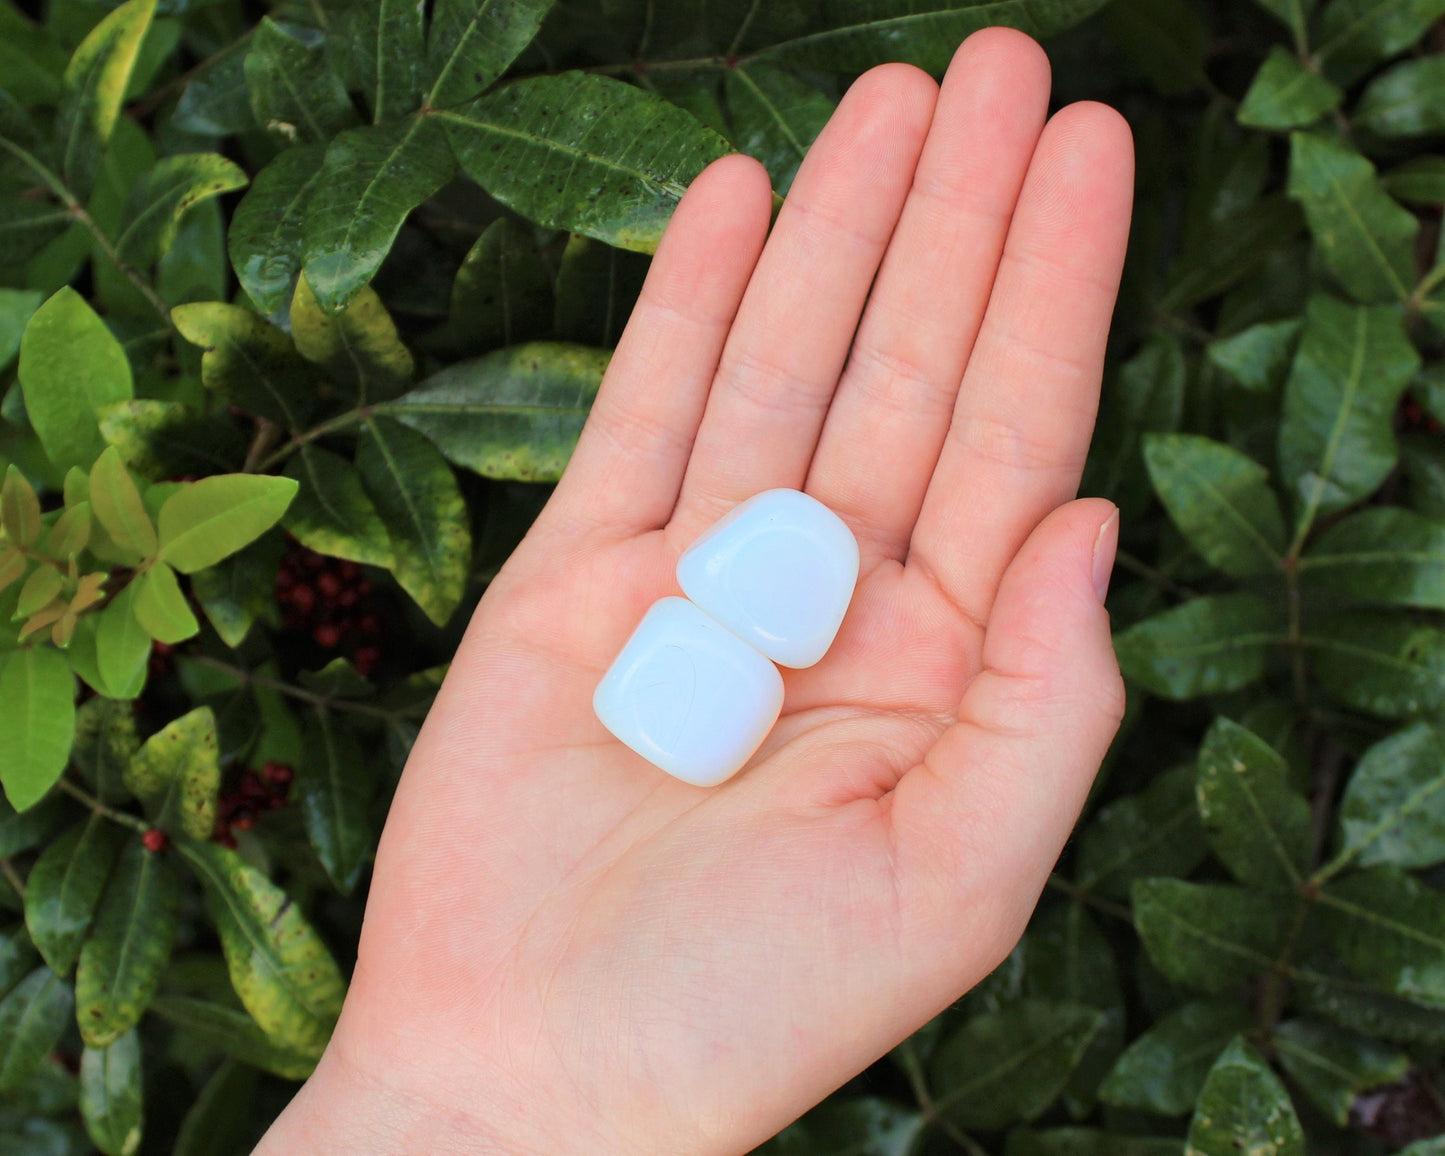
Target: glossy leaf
[[775, 117], [1257, 824], [161, 608], [1286, 94], [1208, 936], [1381, 663], [415, 493], [371, 178], [332, 514], [584, 153], [1389, 929], [32, 1017], [1419, 181], [264, 240], [597, 286], [128, 947], [214, 101], [1384, 554], [96, 80], [213, 518], [279, 967], [233, 1032], [1206, 646], [1220, 500], [1335, 441], [240, 590], [502, 294], [1243, 1107], [381, 46], [857, 1125], [1164, 1069], [1393, 810], [248, 361], [358, 347], [1259, 357], [1333, 1066], [1354, 34], [333, 787], [1365, 237], [177, 773], [65, 886], [514, 414], [118, 506], [1407, 100], [294, 93], [471, 42], [37, 722], [162, 196], [1156, 832], [70, 366], [111, 1100]]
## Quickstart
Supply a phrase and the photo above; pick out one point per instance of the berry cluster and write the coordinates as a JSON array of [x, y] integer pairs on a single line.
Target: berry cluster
[[253, 795], [1414, 417], [325, 597]]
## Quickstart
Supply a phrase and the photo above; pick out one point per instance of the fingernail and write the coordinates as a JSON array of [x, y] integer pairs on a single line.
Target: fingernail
[[1105, 547]]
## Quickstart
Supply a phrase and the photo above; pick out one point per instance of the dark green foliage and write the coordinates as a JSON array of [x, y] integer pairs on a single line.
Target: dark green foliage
[[300, 313]]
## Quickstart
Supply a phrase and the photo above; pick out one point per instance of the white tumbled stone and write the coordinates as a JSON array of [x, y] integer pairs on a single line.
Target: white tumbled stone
[[689, 696], [778, 571]]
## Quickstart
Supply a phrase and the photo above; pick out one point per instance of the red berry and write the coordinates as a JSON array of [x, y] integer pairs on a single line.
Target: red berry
[[347, 598], [244, 821], [162, 648], [349, 570], [365, 659], [369, 624], [251, 787], [363, 587], [313, 561], [155, 840], [277, 774], [277, 802], [285, 579], [326, 635], [303, 598], [329, 584]]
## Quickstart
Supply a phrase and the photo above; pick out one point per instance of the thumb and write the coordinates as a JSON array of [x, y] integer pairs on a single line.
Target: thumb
[[986, 816]]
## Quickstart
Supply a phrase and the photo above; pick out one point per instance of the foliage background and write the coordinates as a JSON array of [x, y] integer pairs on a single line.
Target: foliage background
[[302, 307]]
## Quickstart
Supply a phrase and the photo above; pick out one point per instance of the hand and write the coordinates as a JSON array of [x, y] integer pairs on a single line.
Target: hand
[[568, 951]]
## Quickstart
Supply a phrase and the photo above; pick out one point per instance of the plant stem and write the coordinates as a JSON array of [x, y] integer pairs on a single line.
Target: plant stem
[[332, 425], [7, 869], [125, 819], [1155, 577], [1296, 637], [1271, 1002], [300, 693], [1074, 891]]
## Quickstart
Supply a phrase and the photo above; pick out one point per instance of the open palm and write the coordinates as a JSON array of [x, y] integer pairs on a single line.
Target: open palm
[[567, 950]]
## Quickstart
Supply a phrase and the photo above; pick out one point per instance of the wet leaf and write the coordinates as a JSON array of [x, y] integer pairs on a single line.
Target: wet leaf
[[160, 199], [1287, 94], [1206, 646], [1385, 554], [177, 773], [1244, 1108], [1384, 664], [32, 1017], [111, 1100], [1389, 929], [1164, 1069], [1208, 935], [265, 238], [1393, 810], [294, 93], [1333, 1066], [65, 886], [358, 347], [1154, 833], [334, 787]]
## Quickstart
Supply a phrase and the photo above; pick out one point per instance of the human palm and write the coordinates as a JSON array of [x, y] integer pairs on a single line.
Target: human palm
[[567, 950]]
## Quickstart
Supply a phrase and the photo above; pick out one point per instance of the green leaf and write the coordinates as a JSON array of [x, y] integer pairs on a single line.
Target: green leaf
[[514, 414], [37, 722], [1336, 444], [248, 361], [1294, 13], [161, 608], [502, 294], [1148, 394], [19, 508], [1208, 936], [27, 227], [1220, 500], [775, 117], [70, 366], [241, 589], [32, 1018], [118, 506], [1156, 832], [857, 34], [381, 50], [220, 1118], [1389, 929], [1008, 1066], [358, 347], [1257, 824], [30, 60], [17, 306], [39, 589], [417, 497], [111, 1099], [294, 93], [1354, 34], [1285, 94], [1163, 39], [122, 646], [129, 946], [1333, 1066], [1164, 1069], [1393, 810], [177, 772], [105, 740], [162, 196], [1407, 100], [1209, 645], [1244, 1108], [472, 41], [1384, 554], [1086, 1142], [65, 886], [159, 439], [213, 518], [333, 788], [1384, 664], [1420, 181], [1325, 989], [583, 152], [22, 830], [233, 1032], [96, 81], [18, 958], [597, 287], [1366, 239], [1259, 357], [279, 967], [332, 514], [264, 240], [214, 101], [852, 1126]]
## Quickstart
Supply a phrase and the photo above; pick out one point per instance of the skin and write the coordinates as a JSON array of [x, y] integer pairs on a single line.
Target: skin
[[566, 950]]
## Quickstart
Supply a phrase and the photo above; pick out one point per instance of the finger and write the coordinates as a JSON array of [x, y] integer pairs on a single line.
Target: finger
[[882, 436], [989, 809], [1025, 413], [629, 463], [797, 319]]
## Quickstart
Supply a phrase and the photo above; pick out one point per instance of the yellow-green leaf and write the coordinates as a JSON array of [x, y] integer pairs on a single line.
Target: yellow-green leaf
[[177, 772], [161, 608], [213, 518]]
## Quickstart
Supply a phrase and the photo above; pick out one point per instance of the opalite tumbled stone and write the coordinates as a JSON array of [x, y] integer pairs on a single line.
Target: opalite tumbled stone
[[688, 695], [778, 571]]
